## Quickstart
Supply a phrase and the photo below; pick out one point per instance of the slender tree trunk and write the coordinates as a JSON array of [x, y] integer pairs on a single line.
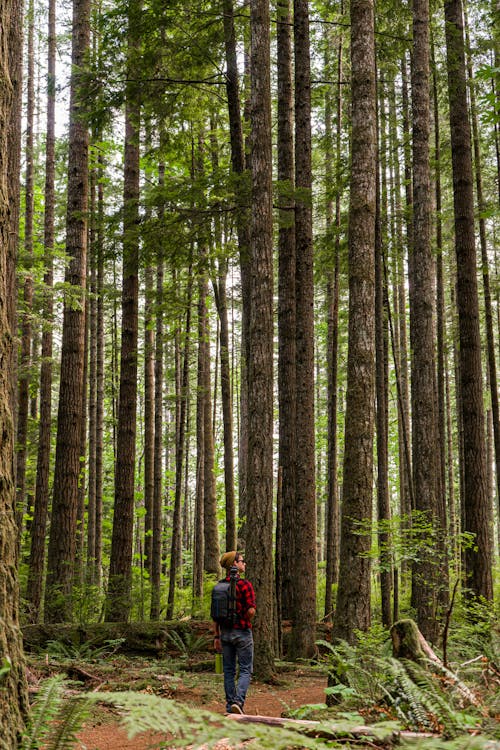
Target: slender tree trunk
[[286, 311], [179, 455], [27, 305], [333, 290], [259, 546], [157, 498], [97, 552], [304, 611], [62, 539], [243, 230], [353, 595], [14, 50], [39, 525], [381, 384], [199, 536], [92, 387], [488, 312], [477, 505], [14, 705], [422, 338], [151, 408], [120, 570], [441, 344]]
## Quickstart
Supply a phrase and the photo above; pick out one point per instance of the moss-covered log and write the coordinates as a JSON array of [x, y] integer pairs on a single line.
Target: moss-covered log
[[138, 638]]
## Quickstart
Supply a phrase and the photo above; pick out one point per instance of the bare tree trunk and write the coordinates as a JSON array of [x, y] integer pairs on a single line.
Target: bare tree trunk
[[62, 539], [14, 705], [27, 305], [118, 602], [151, 408], [39, 525], [259, 546], [381, 380], [286, 311], [353, 595], [477, 505], [422, 332], [333, 290], [488, 313], [242, 226], [304, 610]]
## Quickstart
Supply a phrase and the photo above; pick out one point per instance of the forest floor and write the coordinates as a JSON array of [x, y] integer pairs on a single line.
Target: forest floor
[[103, 732], [189, 680]]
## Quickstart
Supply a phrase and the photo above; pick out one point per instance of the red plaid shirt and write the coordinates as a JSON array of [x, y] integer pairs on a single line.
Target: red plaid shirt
[[245, 599]]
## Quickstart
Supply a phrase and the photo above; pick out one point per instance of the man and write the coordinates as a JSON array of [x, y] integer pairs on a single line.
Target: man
[[236, 642]]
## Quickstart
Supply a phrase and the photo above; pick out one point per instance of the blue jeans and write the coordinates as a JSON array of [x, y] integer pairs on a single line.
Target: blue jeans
[[237, 646]]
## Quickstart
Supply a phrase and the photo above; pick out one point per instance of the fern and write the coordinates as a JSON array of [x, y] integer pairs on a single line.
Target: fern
[[55, 719], [44, 710]]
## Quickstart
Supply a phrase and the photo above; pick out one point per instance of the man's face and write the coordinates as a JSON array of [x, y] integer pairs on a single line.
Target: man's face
[[239, 562]]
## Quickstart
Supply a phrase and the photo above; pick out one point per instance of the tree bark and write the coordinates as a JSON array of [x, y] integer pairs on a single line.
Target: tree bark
[[27, 304], [118, 602], [39, 526], [259, 546], [62, 538], [14, 705], [353, 595], [304, 610], [286, 310], [477, 504]]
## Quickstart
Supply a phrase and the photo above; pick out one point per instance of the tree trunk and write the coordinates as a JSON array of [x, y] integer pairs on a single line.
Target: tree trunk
[[488, 312], [62, 539], [13, 696], [381, 382], [158, 463], [243, 230], [286, 311], [118, 602], [27, 304], [332, 521], [304, 610], [477, 505], [151, 409], [422, 338], [353, 595], [259, 545], [39, 525]]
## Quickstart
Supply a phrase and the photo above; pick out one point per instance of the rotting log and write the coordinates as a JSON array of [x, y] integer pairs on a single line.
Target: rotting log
[[137, 638], [409, 643], [330, 731]]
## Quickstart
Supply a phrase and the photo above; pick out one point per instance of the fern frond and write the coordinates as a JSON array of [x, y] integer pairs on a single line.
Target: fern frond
[[45, 708], [67, 723]]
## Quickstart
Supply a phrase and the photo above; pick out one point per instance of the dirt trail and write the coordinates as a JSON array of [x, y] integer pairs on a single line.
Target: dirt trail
[[104, 733]]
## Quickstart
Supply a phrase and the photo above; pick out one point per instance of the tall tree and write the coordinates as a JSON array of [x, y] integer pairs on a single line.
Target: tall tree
[[120, 567], [304, 548], [260, 365], [38, 527], [422, 339], [13, 696], [62, 539], [477, 504], [285, 562], [27, 305], [353, 595], [332, 520]]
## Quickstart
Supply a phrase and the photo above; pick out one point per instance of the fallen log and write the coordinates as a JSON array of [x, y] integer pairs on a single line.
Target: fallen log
[[409, 643], [329, 731]]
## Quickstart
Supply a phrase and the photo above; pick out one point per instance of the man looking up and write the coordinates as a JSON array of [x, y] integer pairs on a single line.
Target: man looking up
[[236, 642]]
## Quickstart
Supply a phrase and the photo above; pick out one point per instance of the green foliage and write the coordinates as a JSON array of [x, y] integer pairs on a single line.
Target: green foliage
[[187, 642], [87, 651], [54, 720], [366, 678]]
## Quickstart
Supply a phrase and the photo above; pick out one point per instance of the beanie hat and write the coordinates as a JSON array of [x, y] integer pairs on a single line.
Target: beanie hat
[[227, 559]]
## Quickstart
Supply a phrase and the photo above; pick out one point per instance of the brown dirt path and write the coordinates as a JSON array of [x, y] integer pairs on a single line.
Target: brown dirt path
[[300, 688]]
